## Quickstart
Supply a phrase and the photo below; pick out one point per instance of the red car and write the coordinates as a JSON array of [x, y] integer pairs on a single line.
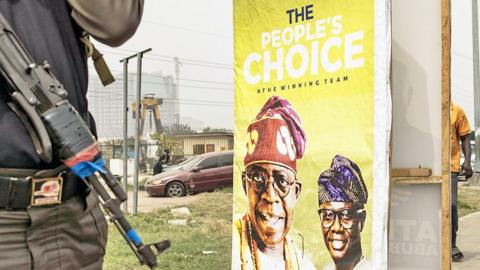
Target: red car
[[200, 173]]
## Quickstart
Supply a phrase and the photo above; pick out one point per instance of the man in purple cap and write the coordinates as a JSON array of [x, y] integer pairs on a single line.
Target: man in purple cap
[[342, 195], [275, 141]]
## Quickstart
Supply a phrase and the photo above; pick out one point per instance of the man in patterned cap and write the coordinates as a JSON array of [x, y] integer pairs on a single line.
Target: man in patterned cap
[[275, 141], [342, 195]]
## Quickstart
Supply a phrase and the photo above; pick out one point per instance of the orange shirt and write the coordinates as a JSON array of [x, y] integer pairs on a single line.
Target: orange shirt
[[458, 127]]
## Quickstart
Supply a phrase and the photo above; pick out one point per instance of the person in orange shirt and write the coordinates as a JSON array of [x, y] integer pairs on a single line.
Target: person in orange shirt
[[459, 136]]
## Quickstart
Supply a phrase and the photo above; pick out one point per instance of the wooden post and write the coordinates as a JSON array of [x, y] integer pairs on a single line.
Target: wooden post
[[446, 208]]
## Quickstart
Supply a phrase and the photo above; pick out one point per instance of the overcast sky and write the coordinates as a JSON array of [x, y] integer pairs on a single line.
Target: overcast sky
[[200, 33], [462, 57]]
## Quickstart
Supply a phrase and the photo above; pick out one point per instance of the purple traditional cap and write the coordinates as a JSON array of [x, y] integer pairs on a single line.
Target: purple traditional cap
[[342, 182]]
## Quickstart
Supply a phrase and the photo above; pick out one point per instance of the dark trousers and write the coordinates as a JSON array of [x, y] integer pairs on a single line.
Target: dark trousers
[[453, 199], [69, 236]]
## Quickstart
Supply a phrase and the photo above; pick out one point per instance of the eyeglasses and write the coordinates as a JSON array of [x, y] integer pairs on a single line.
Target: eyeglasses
[[259, 181], [347, 217]]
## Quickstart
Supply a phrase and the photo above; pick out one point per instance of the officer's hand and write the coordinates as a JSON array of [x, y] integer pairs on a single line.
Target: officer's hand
[[467, 168]]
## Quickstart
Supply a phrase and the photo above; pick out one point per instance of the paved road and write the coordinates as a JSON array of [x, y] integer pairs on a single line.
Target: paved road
[[147, 204], [469, 242], [468, 239]]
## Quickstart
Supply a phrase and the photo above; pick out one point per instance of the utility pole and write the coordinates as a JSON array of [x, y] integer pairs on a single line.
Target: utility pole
[[125, 130], [476, 82], [139, 56], [177, 86], [177, 119]]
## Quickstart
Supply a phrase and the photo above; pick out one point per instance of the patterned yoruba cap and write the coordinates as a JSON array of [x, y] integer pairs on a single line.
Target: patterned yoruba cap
[[276, 135], [342, 182]]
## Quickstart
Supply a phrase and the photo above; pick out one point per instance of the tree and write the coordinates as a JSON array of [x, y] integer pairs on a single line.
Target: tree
[[180, 129], [168, 138], [215, 130]]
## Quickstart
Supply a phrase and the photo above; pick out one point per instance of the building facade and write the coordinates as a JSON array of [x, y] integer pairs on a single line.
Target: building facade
[[106, 103], [199, 143]]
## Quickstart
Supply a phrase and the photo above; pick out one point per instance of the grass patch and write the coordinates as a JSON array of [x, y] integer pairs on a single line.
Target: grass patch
[[208, 229], [468, 200], [228, 190]]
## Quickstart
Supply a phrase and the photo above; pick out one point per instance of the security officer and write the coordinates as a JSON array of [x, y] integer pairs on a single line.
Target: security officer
[[58, 225]]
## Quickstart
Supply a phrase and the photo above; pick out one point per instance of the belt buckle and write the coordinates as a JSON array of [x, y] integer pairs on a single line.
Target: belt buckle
[[46, 191]]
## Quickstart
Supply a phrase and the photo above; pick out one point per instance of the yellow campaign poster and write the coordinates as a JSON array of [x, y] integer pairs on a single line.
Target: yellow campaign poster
[[312, 116]]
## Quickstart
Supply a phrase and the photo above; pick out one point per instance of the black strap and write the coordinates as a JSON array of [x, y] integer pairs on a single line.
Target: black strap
[[15, 192]]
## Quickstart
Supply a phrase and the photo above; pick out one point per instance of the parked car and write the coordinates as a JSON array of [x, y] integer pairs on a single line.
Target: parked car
[[201, 173], [179, 166]]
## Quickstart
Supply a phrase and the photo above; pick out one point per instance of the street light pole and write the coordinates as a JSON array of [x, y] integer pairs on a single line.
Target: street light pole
[[139, 57], [476, 82], [137, 129], [125, 131]]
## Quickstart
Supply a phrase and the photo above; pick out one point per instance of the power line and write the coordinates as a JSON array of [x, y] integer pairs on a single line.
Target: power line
[[186, 29], [185, 86], [194, 60], [193, 86], [192, 80], [205, 104], [184, 101], [183, 59], [161, 76], [168, 57], [192, 64], [172, 61], [462, 55], [192, 102], [164, 99]]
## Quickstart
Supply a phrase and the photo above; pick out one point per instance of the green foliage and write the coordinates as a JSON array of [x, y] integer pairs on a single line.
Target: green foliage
[[168, 142], [208, 229], [464, 205], [180, 129], [216, 130], [468, 200]]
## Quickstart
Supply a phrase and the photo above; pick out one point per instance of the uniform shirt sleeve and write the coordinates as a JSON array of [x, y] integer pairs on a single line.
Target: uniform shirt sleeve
[[462, 125], [111, 22]]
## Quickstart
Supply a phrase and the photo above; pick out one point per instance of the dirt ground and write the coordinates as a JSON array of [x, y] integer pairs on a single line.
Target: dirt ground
[[147, 204]]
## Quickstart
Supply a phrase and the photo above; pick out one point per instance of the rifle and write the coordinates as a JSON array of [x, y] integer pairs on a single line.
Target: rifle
[[57, 130]]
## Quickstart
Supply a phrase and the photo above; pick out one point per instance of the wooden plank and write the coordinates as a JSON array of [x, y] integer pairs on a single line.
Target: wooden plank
[[411, 172], [446, 72], [418, 180]]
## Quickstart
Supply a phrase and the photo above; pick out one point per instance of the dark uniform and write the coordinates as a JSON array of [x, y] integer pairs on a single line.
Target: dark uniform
[[164, 159], [71, 235]]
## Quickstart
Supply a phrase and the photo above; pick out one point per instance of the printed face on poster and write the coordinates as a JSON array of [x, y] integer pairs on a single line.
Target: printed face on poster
[[304, 134]]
